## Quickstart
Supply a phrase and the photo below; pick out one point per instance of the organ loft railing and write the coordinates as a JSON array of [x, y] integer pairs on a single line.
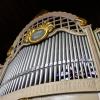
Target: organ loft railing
[[53, 47]]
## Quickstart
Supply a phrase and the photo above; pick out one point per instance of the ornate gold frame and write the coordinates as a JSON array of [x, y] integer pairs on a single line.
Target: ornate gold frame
[[46, 26]]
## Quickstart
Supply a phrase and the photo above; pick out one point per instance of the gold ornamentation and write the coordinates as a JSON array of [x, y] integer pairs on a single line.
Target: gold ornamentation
[[10, 51], [83, 22], [38, 34]]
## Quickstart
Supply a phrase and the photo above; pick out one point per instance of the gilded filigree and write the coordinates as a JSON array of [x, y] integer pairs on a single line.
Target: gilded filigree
[[35, 35]]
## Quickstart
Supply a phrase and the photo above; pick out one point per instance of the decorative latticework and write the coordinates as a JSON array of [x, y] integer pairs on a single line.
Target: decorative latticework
[[63, 53], [56, 19]]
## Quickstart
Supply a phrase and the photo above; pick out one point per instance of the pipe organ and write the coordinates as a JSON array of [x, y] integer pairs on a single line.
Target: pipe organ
[[52, 48]]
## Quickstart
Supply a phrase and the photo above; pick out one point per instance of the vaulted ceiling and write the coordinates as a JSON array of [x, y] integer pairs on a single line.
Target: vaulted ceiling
[[15, 14]]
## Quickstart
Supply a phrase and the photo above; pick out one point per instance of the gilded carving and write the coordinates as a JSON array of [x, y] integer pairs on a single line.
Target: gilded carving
[[38, 34], [10, 51], [82, 21]]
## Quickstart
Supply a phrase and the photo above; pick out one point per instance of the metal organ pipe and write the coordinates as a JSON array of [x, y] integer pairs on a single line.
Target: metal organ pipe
[[36, 61], [13, 71], [19, 70], [27, 80], [68, 59], [12, 85], [9, 74], [18, 66], [51, 60], [21, 67], [86, 58], [80, 58], [22, 81], [31, 64], [64, 55], [81, 62], [32, 57], [27, 64], [26, 59], [36, 56], [90, 62], [43, 60], [6, 89], [6, 74], [61, 56], [39, 63], [56, 58], [15, 65], [29, 57], [75, 57], [71, 56], [21, 58], [47, 66], [3, 89], [18, 62], [83, 54], [88, 48]]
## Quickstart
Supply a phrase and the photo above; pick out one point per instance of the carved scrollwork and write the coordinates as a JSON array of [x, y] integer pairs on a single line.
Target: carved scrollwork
[[35, 35], [82, 21], [10, 51]]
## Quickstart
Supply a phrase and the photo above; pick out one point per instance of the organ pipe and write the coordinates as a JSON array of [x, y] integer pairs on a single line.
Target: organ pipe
[[43, 60], [47, 60], [62, 56]]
